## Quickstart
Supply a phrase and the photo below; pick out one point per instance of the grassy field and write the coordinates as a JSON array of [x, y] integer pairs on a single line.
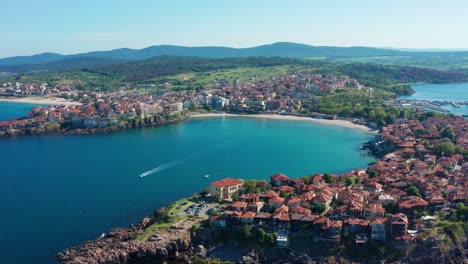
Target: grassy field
[[175, 216], [183, 81], [246, 74]]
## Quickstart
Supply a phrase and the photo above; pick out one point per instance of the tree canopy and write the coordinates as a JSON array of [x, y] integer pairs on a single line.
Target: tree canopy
[[444, 149]]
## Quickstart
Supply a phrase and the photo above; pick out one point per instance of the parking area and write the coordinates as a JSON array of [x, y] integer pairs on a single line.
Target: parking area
[[199, 208]]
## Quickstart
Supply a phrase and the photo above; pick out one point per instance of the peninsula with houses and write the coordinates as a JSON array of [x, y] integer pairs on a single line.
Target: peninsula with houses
[[410, 206], [159, 91]]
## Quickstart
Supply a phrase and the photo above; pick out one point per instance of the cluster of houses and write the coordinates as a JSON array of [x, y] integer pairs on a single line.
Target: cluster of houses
[[379, 203], [290, 206], [412, 136], [272, 94], [99, 110], [104, 111], [37, 89]]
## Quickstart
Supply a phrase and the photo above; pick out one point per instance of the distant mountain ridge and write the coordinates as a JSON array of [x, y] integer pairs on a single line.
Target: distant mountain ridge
[[55, 62]]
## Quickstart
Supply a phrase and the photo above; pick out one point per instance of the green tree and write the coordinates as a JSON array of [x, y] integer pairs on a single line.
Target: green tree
[[413, 191], [250, 186], [245, 233], [318, 208], [389, 119], [261, 235], [427, 145], [215, 212], [271, 238], [459, 150], [444, 149], [448, 133], [372, 174], [391, 208], [306, 179], [350, 181], [328, 178], [462, 212], [203, 193]]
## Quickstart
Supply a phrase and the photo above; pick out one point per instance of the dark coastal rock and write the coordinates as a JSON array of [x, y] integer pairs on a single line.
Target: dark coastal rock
[[455, 255], [120, 234], [183, 243], [304, 258], [120, 247], [145, 222], [172, 248], [250, 258], [200, 251]]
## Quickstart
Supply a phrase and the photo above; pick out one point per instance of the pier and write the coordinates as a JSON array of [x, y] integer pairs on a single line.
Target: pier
[[430, 105]]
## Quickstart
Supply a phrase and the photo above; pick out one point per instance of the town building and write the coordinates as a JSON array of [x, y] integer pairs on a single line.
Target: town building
[[225, 188]]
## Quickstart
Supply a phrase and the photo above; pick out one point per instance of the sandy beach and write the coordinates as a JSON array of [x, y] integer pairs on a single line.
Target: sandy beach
[[341, 123], [39, 100]]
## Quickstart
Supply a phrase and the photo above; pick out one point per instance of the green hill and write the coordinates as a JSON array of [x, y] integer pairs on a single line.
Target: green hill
[[280, 49]]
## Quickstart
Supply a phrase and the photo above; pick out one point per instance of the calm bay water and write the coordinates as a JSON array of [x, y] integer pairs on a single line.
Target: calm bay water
[[57, 191], [442, 92], [10, 110]]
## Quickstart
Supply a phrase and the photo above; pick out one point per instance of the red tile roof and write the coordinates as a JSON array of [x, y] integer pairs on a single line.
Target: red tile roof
[[336, 224], [281, 216], [276, 199], [239, 204], [279, 177], [282, 209], [412, 202], [375, 208], [378, 221], [263, 216], [226, 182], [248, 215], [355, 221], [399, 219]]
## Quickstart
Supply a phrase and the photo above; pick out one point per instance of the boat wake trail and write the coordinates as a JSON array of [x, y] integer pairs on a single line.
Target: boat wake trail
[[183, 159], [159, 168]]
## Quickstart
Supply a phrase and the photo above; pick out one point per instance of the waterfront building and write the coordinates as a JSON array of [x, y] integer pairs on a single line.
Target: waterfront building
[[225, 188], [279, 179]]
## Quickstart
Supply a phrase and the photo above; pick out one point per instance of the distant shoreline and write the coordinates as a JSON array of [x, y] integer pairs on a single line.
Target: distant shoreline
[[38, 100], [341, 123]]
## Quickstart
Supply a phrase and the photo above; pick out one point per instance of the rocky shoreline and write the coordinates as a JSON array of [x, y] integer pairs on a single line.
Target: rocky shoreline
[[120, 246]]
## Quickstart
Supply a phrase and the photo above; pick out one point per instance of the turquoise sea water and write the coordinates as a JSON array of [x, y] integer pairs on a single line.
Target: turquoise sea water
[[10, 110], [442, 92], [57, 191]]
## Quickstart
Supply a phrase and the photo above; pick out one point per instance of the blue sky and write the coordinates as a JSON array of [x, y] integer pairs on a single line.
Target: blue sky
[[30, 27]]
